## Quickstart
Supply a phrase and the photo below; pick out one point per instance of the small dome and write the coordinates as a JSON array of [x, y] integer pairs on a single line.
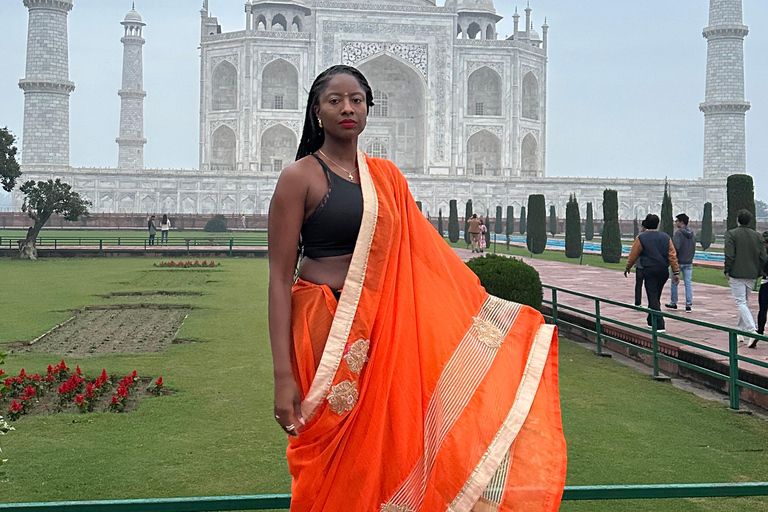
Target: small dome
[[476, 6], [133, 17], [535, 36]]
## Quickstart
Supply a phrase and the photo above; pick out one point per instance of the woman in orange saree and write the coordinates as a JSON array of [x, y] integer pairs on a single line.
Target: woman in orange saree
[[416, 389]]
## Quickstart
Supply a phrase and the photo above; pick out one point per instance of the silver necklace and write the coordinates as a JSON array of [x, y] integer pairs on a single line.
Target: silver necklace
[[349, 174]]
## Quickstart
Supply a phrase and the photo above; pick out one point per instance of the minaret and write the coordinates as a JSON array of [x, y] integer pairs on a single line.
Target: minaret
[[131, 140], [724, 105], [46, 84]]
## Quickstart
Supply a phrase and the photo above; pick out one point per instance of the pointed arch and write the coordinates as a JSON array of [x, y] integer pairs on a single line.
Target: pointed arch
[[490, 31], [261, 22], [297, 24], [278, 148], [280, 86], [484, 154], [484, 93], [208, 205], [279, 23], [224, 82], [530, 96], [246, 205], [126, 204], [228, 205], [189, 205], [148, 203], [474, 31], [223, 149], [530, 156], [405, 122], [106, 203]]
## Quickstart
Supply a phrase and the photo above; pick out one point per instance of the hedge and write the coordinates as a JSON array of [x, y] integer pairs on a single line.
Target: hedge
[[741, 195], [610, 244], [453, 222], [572, 228], [467, 215], [510, 222], [217, 224], [508, 278], [552, 220], [667, 225], [523, 220], [536, 239], [589, 224], [706, 227]]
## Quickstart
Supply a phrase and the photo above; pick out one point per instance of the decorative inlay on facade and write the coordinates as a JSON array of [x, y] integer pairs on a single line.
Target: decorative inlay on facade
[[265, 124], [232, 59], [526, 131], [732, 31], [293, 58], [474, 65], [232, 123], [355, 51], [378, 7], [472, 129], [63, 87], [730, 107]]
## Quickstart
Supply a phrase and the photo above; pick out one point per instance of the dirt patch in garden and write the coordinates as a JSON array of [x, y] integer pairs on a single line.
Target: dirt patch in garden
[[150, 293], [118, 329]]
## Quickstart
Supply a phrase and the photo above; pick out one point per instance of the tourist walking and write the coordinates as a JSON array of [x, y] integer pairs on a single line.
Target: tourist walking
[[384, 343], [242, 221], [474, 232], [483, 237], [639, 274], [656, 253], [152, 229], [165, 227], [762, 297], [685, 246], [745, 259]]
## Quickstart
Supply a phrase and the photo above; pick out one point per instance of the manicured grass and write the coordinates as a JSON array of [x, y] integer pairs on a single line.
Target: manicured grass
[[216, 434], [700, 274]]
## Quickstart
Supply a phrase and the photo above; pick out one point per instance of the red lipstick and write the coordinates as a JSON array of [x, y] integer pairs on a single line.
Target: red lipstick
[[348, 123]]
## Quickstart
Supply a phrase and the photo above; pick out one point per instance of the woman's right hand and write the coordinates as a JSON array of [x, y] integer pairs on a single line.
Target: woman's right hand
[[288, 406]]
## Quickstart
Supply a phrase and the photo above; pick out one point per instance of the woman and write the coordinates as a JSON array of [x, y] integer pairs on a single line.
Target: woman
[[483, 239], [165, 227], [393, 400]]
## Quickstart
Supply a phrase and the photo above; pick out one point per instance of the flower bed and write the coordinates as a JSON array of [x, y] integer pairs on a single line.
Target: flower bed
[[187, 264], [62, 390]]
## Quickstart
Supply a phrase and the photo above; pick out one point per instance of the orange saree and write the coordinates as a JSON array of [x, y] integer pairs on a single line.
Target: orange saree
[[421, 392]]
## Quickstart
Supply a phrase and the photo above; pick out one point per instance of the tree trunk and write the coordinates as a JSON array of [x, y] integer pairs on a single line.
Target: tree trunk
[[28, 247]]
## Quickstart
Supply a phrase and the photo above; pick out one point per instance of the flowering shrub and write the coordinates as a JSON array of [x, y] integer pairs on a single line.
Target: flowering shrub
[[187, 264], [4, 426], [72, 390]]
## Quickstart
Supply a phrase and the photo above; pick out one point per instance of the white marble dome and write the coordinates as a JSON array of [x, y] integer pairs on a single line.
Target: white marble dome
[[476, 6], [133, 17]]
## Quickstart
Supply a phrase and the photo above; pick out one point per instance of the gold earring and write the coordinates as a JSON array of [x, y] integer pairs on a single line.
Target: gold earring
[[320, 122]]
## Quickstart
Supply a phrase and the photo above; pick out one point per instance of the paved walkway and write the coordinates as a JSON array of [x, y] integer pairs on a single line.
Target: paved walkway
[[711, 303]]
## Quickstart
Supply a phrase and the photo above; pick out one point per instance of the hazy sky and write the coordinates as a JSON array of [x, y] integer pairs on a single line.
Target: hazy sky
[[625, 82]]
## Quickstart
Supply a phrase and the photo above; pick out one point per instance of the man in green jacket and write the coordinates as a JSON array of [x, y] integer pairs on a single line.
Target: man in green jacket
[[745, 257]]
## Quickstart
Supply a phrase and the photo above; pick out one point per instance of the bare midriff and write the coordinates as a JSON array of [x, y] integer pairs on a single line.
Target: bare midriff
[[330, 271]]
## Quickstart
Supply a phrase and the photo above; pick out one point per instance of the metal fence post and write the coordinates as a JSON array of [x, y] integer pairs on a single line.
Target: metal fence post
[[554, 306], [655, 343], [598, 328], [581, 256], [231, 240], [733, 364], [100, 244]]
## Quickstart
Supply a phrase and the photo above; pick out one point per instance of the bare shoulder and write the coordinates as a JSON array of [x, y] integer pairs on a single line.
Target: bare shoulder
[[294, 176]]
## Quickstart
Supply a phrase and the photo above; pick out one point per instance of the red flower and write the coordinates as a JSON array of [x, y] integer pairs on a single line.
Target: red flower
[[50, 369], [180, 264], [79, 399], [211, 264], [49, 378], [197, 262], [122, 391], [29, 392], [171, 262], [115, 400], [18, 380], [89, 390], [36, 377], [8, 382], [23, 374], [159, 382], [104, 377], [16, 407], [205, 263], [78, 370]]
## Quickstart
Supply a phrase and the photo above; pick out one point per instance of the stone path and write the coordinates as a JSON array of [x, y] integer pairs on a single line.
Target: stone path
[[711, 303]]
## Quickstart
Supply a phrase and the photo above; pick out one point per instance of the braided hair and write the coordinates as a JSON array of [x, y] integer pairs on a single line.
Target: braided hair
[[313, 137]]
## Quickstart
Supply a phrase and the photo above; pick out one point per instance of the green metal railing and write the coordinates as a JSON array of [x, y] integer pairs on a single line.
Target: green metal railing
[[176, 241], [283, 501], [735, 383]]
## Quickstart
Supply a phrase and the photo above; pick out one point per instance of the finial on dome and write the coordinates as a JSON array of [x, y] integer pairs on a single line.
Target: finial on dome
[[133, 6]]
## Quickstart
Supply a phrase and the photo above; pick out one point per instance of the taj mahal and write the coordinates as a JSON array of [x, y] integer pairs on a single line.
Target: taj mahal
[[461, 111]]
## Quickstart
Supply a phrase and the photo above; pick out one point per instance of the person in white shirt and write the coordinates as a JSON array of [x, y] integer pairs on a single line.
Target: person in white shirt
[[165, 227]]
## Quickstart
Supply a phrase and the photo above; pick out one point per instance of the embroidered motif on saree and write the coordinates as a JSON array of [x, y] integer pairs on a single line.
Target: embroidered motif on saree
[[343, 397], [488, 333], [358, 355], [395, 508]]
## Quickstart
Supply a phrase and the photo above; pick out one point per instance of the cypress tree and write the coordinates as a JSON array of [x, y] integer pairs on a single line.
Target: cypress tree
[[572, 228], [635, 229], [741, 195], [706, 227], [667, 225], [537, 224], [552, 220], [453, 222], [523, 220], [418, 205], [610, 245], [510, 222], [589, 224], [440, 221], [467, 215], [498, 226]]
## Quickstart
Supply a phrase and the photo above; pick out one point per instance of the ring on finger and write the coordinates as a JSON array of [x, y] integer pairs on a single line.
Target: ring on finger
[[290, 428]]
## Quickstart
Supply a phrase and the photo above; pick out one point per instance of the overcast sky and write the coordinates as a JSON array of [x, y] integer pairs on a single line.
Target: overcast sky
[[625, 82]]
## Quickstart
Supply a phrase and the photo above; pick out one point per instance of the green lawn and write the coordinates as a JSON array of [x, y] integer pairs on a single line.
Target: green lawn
[[216, 434]]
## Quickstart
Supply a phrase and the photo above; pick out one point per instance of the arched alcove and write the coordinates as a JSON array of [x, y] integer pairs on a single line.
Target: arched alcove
[[208, 205], [280, 86], [530, 156], [148, 204], [261, 22], [227, 205], [406, 110], [223, 149], [484, 93], [278, 148], [490, 32], [279, 23], [296, 24], [224, 82], [168, 204], [474, 31], [484, 154], [106, 204], [530, 96], [189, 205], [459, 32], [126, 204], [246, 205]]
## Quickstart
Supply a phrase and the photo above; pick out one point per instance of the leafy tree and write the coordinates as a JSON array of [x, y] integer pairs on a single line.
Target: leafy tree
[[510, 222], [572, 228], [610, 245], [498, 225], [9, 167], [741, 195], [706, 227], [635, 229], [667, 225], [761, 210], [41, 200], [536, 240], [217, 224], [440, 221], [589, 224], [467, 215], [453, 222], [523, 220], [552, 220]]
